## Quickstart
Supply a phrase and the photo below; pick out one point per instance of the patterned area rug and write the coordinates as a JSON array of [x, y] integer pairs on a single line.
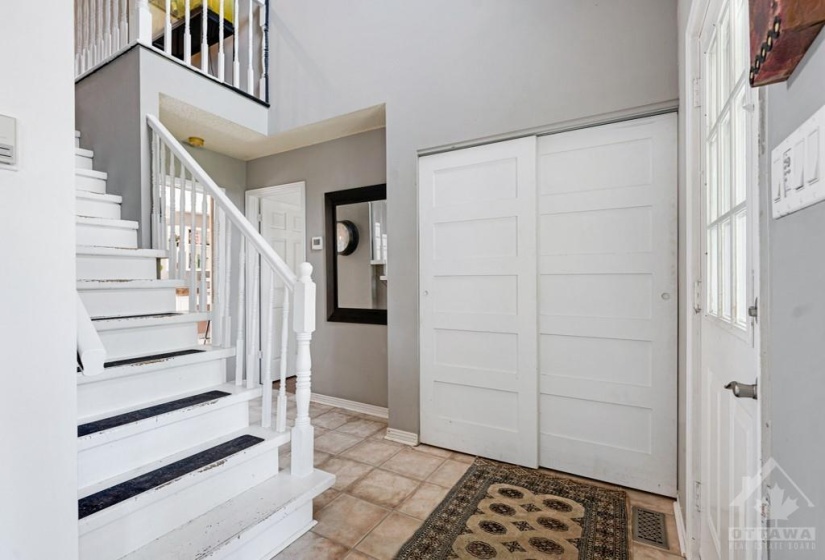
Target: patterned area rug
[[503, 511]]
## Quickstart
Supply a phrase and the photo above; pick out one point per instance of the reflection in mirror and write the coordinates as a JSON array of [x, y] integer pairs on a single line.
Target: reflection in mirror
[[357, 255]]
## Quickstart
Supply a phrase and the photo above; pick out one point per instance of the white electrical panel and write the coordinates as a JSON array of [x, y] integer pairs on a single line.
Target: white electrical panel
[[8, 140], [796, 168]]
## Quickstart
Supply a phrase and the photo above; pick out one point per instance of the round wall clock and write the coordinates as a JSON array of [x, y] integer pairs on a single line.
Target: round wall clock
[[347, 237]]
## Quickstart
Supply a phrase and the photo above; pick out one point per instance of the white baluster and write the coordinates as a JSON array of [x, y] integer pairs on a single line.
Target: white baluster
[[115, 26], [193, 286], [304, 326], [107, 41], [187, 35], [262, 14], [124, 24], [204, 40], [87, 35], [269, 335], [236, 63], [239, 341], [281, 423], [78, 36], [93, 33], [157, 166], [221, 54], [180, 237], [170, 244], [167, 28], [216, 276], [203, 299], [250, 73], [100, 32], [227, 289], [253, 312], [163, 236]]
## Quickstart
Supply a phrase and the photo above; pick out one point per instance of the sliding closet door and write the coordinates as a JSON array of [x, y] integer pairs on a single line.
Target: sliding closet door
[[608, 303], [478, 301]]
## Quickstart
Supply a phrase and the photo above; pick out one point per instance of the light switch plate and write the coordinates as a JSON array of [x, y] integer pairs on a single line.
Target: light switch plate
[[317, 244], [8, 140], [796, 175]]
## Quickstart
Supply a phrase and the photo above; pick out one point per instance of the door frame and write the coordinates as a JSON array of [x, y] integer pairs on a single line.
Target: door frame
[[694, 308], [252, 201]]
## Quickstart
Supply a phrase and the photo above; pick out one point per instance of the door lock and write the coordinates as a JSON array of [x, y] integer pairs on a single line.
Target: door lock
[[742, 390]]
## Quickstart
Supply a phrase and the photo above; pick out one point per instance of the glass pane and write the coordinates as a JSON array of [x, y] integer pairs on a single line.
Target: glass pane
[[740, 148], [741, 249], [724, 166], [713, 270], [727, 270], [724, 60], [713, 180]]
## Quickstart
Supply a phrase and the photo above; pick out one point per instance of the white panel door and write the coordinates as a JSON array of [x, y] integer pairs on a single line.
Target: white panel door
[[608, 303], [730, 442], [478, 301]]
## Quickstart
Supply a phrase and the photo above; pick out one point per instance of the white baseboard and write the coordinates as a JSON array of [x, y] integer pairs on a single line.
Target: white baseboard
[[363, 408], [398, 436], [680, 526]]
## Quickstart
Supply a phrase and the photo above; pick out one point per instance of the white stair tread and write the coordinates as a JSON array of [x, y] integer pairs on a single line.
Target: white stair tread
[[210, 353], [77, 134], [236, 393], [106, 222], [119, 251], [129, 284], [276, 438], [119, 323], [89, 195], [277, 497], [106, 516], [92, 173], [84, 153]]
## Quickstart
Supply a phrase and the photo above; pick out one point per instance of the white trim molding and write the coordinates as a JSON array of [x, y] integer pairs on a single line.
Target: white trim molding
[[680, 526], [354, 406], [399, 436]]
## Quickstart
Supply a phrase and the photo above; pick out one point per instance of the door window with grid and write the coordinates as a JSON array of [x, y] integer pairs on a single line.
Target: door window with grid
[[728, 136]]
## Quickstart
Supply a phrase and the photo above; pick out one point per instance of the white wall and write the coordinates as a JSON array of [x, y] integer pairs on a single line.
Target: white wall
[[456, 71], [38, 494]]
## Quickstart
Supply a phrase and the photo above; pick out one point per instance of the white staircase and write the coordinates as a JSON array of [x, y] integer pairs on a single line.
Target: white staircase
[[169, 466]]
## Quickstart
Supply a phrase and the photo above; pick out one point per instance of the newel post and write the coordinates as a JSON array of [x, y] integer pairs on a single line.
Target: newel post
[[303, 438], [140, 23]]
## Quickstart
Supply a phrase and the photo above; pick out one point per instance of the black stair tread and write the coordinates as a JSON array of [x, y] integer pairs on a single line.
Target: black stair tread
[[152, 358], [149, 412], [149, 316], [158, 477]]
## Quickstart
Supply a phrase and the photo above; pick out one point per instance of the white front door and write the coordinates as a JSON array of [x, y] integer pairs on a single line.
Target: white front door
[[478, 300], [282, 224], [730, 442], [608, 303]]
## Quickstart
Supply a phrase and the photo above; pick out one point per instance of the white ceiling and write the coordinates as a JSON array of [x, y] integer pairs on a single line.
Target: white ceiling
[[231, 139]]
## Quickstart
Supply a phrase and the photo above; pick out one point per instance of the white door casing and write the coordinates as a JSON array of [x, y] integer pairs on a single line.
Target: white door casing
[[281, 215], [727, 225], [608, 303], [478, 301]]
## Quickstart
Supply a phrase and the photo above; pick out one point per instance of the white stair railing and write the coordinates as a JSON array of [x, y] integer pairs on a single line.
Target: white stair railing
[[105, 28], [179, 188]]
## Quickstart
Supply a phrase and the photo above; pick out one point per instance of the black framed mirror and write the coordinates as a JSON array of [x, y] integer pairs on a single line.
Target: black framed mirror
[[356, 255]]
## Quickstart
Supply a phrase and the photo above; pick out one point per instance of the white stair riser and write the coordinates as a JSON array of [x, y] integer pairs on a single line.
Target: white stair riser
[[106, 236], [89, 184], [126, 302], [97, 209], [144, 525], [106, 267], [108, 395], [115, 456], [76, 141], [147, 341], [269, 538], [83, 162]]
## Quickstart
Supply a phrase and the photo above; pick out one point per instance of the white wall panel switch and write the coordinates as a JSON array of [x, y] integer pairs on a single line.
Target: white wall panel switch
[[8, 140], [795, 168]]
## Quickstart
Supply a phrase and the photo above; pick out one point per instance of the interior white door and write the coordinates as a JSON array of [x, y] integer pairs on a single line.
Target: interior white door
[[730, 448], [478, 300], [282, 225], [608, 303]]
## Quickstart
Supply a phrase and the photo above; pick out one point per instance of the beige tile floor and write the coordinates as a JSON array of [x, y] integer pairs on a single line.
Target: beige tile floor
[[384, 490]]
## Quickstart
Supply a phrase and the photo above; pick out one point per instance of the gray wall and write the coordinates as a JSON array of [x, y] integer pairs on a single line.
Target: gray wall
[[455, 71], [796, 299], [349, 361]]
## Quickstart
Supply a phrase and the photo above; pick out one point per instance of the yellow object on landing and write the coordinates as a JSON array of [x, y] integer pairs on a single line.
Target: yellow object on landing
[[178, 7]]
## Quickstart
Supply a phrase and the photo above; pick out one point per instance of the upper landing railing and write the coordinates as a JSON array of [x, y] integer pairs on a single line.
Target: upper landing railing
[[226, 40]]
